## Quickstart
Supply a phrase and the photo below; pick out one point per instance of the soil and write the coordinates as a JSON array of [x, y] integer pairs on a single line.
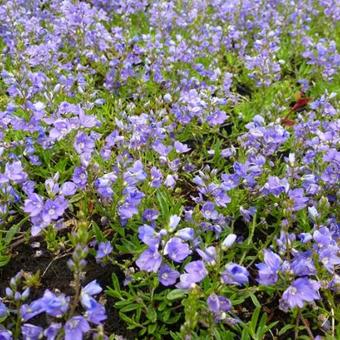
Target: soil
[[58, 277]]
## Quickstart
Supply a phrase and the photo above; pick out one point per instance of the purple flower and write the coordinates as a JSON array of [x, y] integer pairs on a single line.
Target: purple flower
[[173, 222], [176, 249], [208, 254], [305, 237], [208, 211], [75, 328], [229, 241], [221, 197], [150, 215], [135, 174], [269, 269], [235, 274], [53, 209], [167, 276], [247, 213], [31, 310], [83, 144], [51, 185], [54, 305], [150, 260], [68, 189], [92, 288], [149, 236], [300, 291], [181, 148], [33, 205], [323, 237], [52, 331], [15, 172], [95, 312], [275, 186], [80, 177], [302, 264], [104, 249], [170, 181], [218, 305], [186, 234], [284, 240], [195, 272], [161, 149], [5, 334], [3, 310], [217, 118], [329, 257], [31, 332], [156, 177], [298, 198]]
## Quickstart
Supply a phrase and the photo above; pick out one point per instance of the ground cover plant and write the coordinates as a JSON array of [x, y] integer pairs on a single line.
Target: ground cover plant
[[169, 169]]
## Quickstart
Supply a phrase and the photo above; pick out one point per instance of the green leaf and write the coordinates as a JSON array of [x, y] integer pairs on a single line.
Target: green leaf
[[114, 293], [131, 323], [121, 304], [152, 328], [285, 329], [254, 318], [4, 260], [256, 302], [176, 294], [98, 233], [151, 314], [115, 282], [130, 308]]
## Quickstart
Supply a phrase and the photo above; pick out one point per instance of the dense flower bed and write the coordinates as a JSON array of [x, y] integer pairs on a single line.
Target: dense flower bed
[[177, 161]]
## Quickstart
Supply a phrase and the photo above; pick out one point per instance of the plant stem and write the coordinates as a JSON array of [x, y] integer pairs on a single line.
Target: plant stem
[[305, 322], [77, 293]]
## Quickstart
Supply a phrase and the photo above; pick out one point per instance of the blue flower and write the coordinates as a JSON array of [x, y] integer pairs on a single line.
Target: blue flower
[[104, 249], [54, 305], [149, 236], [34, 205], [15, 172], [53, 209], [180, 147], [76, 327], [275, 186], [150, 260], [31, 332], [235, 274], [68, 189], [302, 264], [31, 310], [5, 334], [52, 331], [209, 212], [167, 276], [176, 249], [88, 291], [300, 291], [269, 269], [95, 312], [218, 305], [195, 272], [80, 177], [3, 310], [208, 254]]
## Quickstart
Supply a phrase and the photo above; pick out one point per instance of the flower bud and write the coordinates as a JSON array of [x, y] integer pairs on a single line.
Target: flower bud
[[228, 241]]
